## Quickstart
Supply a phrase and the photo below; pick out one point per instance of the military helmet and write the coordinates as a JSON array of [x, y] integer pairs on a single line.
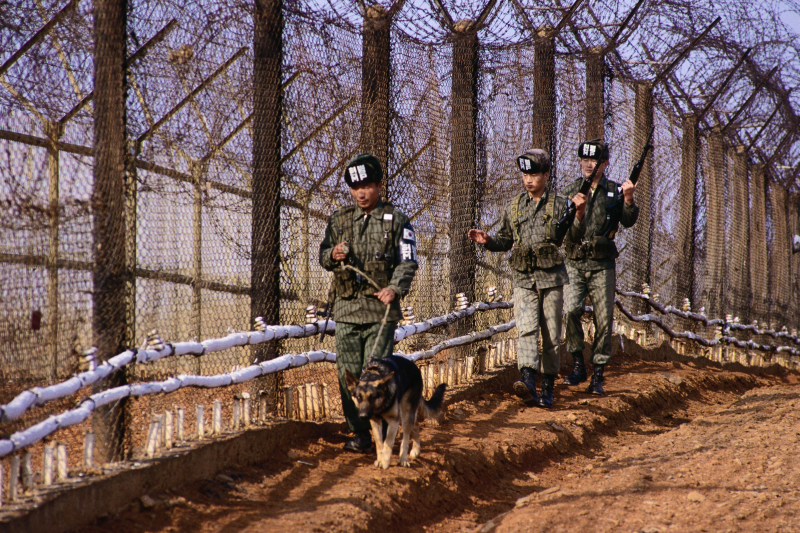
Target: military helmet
[[363, 168], [594, 149], [534, 161]]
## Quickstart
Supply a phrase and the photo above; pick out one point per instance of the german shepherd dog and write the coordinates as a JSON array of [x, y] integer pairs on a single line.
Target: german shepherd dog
[[390, 390]]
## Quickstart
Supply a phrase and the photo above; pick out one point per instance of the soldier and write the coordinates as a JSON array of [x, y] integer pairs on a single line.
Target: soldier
[[378, 240], [591, 262], [534, 223]]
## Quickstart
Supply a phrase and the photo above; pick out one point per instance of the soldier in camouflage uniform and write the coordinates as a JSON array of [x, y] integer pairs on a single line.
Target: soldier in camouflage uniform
[[378, 240], [534, 223], [591, 263]]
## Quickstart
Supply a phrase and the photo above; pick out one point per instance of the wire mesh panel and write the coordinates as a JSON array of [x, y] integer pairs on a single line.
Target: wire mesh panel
[[171, 166]]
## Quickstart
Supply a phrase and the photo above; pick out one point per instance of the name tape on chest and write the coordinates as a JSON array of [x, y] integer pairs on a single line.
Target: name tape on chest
[[610, 194], [358, 173], [388, 216]]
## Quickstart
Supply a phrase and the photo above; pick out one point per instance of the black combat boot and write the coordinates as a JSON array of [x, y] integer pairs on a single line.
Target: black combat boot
[[360, 443], [596, 385], [546, 399], [578, 374], [525, 388]]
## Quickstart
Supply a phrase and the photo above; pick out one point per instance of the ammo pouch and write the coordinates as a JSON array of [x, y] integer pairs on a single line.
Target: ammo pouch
[[520, 258], [602, 248], [380, 272], [574, 251], [547, 255], [344, 282], [599, 248]]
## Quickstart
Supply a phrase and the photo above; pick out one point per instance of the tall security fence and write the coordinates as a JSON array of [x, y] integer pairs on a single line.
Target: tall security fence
[[171, 166]]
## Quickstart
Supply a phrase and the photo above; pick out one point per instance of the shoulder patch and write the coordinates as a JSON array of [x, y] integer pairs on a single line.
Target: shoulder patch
[[408, 244]]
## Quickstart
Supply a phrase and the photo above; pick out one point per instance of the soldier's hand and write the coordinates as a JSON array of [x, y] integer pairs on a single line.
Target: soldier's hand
[[386, 295], [478, 235], [580, 205], [338, 252], [628, 188]]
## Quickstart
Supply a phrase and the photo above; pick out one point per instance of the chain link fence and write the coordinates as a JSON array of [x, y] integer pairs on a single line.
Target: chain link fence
[[171, 166]]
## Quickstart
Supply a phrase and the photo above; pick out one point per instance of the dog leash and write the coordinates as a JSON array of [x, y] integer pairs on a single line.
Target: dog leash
[[385, 314]]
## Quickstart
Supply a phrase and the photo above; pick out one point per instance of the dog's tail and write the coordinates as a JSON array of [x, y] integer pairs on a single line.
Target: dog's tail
[[431, 408]]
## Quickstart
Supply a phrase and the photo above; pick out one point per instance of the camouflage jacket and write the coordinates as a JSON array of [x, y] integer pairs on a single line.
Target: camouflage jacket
[[595, 218], [367, 242], [532, 227]]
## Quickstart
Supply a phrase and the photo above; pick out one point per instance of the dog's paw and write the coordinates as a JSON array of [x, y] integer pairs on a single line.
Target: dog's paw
[[377, 463], [384, 464], [403, 462], [413, 454]]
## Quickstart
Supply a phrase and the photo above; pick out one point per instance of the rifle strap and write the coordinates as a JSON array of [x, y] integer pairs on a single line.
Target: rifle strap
[[515, 216], [388, 220]]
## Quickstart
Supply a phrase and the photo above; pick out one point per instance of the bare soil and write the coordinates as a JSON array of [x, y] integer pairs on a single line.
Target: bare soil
[[673, 446]]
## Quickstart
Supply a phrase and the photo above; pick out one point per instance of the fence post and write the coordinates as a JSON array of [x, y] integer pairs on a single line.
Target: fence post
[[267, 111], [108, 210], [544, 91], [595, 93], [736, 273], [642, 230], [779, 257], [54, 134], [792, 214], [375, 76], [463, 165], [684, 244], [758, 244], [715, 224]]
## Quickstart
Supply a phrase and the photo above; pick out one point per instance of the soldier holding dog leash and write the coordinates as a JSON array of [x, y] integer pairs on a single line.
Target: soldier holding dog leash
[[535, 223], [371, 238]]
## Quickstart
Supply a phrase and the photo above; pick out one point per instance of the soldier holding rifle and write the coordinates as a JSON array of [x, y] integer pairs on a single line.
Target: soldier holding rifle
[[591, 259], [535, 223], [377, 240]]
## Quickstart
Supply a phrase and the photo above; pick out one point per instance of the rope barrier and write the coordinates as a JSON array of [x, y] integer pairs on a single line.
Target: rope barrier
[[699, 317], [37, 432], [701, 340], [38, 396]]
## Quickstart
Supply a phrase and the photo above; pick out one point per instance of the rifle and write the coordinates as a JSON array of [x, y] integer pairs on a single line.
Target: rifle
[[637, 168], [611, 224], [327, 312]]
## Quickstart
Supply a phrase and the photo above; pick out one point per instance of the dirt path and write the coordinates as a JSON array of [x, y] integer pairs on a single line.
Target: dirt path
[[663, 441]]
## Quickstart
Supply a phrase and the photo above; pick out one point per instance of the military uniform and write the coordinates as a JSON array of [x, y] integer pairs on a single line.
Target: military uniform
[[383, 246], [538, 284], [591, 262]]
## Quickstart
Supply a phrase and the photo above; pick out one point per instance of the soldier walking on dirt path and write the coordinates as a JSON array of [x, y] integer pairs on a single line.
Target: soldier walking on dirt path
[[535, 223], [591, 262], [377, 239]]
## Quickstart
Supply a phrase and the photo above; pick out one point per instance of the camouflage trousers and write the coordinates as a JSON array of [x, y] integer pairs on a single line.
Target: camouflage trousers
[[353, 346], [536, 309], [599, 286]]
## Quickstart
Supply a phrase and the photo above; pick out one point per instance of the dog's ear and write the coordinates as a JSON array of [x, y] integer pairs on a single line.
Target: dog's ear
[[386, 378], [352, 382]]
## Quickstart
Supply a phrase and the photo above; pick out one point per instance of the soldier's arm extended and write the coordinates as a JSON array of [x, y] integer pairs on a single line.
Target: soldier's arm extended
[[503, 240], [327, 246], [405, 242]]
